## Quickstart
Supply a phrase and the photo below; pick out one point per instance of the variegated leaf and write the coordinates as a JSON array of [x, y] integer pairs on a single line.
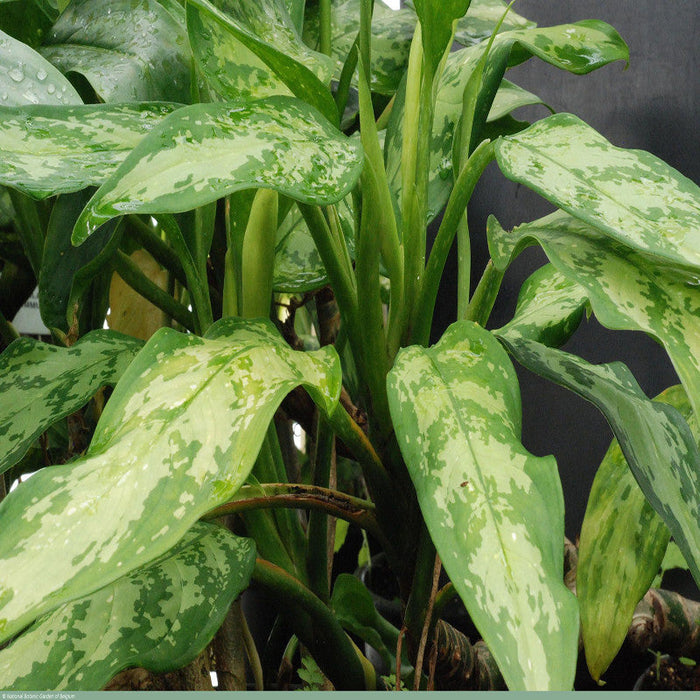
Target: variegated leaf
[[481, 18], [627, 290], [580, 47], [128, 50], [298, 264], [47, 150], [28, 78], [250, 49], [632, 196], [41, 383], [177, 438], [494, 511], [159, 618], [508, 98], [392, 32], [623, 542], [549, 309], [204, 152], [655, 439]]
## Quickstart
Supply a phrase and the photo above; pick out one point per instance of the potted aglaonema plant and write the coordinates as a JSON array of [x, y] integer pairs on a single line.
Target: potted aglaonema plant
[[263, 174]]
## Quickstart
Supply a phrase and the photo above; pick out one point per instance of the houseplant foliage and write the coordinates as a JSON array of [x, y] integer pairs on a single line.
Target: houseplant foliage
[[263, 174]]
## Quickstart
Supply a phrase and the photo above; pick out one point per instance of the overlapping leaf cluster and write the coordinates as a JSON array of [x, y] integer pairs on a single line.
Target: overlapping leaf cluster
[[257, 152]]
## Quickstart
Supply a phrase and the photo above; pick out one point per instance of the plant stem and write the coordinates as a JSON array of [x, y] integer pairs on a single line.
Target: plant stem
[[8, 332], [454, 212], [317, 559], [485, 294], [325, 638], [345, 80], [141, 232], [365, 39], [411, 151], [268, 469], [258, 260], [325, 29], [342, 278], [32, 225], [197, 287], [340, 505], [421, 587], [360, 446], [437, 568], [132, 275], [250, 649]]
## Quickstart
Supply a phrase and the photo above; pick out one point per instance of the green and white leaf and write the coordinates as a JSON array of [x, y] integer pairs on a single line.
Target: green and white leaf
[[627, 290], [509, 98], [494, 511], [178, 437], [623, 544], [249, 49], [549, 309], [47, 150], [655, 439], [204, 152], [481, 18], [580, 48], [632, 196], [42, 383], [298, 264], [392, 32], [158, 618], [26, 77], [128, 50]]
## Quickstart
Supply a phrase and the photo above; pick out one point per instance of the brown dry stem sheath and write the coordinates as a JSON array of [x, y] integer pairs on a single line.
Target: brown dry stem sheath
[[340, 505]]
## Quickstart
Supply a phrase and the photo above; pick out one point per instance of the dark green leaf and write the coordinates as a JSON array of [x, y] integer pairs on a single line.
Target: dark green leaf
[[128, 50], [623, 541], [66, 271], [628, 290], [28, 78]]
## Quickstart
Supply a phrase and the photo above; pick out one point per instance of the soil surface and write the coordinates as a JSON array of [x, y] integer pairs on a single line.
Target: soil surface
[[671, 674]]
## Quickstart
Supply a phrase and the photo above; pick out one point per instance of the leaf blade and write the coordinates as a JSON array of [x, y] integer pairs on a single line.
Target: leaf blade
[[41, 383], [632, 196], [495, 512], [204, 152], [178, 437], [127, 51], [51, 150], [158, 618]]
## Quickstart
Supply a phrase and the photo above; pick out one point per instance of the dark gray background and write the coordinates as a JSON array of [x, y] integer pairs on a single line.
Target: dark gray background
[[653, 105]]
